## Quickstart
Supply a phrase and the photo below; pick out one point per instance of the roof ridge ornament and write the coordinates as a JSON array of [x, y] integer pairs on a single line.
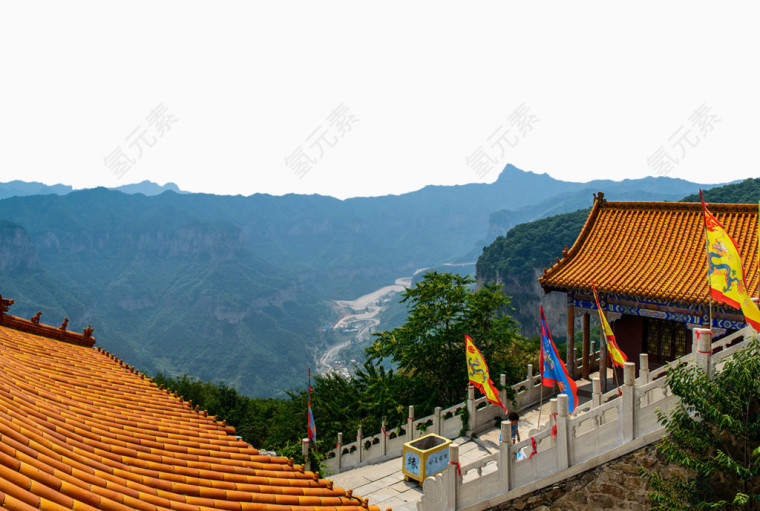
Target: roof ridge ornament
[[5, 303], [599, 196], [36, 318]]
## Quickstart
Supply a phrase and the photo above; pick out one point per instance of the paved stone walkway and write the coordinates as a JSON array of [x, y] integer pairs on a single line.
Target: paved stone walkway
[[384, 483]]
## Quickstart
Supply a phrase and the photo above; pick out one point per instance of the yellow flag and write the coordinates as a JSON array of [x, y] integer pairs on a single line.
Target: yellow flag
[[724, 269], [616, 354], [477, 372]]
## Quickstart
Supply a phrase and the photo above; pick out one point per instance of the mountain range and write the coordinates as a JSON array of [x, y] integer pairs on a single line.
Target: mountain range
[[23, 188], [237, 288]]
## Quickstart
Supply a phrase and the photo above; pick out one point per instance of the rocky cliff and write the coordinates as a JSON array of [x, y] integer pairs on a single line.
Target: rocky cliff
[[17, 251]]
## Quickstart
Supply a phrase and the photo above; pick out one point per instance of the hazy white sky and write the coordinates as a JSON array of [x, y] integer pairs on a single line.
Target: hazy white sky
[[352, 98]]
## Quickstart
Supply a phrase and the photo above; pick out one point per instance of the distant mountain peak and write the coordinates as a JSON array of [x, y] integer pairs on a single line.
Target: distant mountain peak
[[148, 188], [19, 188]]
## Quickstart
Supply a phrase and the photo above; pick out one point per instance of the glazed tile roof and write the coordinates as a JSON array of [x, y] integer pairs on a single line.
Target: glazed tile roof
[[80, 429], [652, 250]]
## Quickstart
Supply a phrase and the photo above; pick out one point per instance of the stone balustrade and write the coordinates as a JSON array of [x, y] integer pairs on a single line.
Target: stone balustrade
[[446, 422], [604, 429]]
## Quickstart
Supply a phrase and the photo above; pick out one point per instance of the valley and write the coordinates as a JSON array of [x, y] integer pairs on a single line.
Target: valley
[[239, 289], [358, 320]]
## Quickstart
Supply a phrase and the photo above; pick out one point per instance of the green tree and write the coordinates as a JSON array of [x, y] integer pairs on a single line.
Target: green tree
[[428, 348], [712, 434]]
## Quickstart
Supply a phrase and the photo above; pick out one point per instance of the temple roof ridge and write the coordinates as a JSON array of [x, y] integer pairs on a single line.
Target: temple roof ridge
[[649, 249]]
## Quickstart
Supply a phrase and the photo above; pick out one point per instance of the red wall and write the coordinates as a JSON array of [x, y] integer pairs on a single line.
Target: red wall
[[629, 334]]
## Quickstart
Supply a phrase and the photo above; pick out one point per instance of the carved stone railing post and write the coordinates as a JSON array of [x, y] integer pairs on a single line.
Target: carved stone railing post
[[529, 377], [703, 343], [471, 409], [643, 369], [552, 413], [628, 412], [359, 446], [437, 420], [305, 453], [339, 448], [452, 478], [410, 425], [596, 391], [505, 457], [563, 445], [643, 378], [439, 492]]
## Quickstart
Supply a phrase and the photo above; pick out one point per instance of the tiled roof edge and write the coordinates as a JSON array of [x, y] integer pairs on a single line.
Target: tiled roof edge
[[682, 206], [60, 334], [599, 202]]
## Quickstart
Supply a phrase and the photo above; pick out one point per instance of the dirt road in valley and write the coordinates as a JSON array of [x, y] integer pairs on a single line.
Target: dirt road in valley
[[362, 315]]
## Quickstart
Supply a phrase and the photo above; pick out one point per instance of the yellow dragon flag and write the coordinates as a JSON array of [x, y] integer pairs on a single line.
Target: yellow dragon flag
[[724, 269], [477, 372], [616, 354]]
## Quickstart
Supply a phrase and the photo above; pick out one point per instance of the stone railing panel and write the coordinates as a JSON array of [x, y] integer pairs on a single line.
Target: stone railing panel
[[725, 341], [350, 455], [595, 418], [478, 489], [485, 414], [646, 418], [423, 426], [375, 449], [599, 439], [718, 358], [652, 392], [479, 467], [540, 465], [452, 427], [610, 395]]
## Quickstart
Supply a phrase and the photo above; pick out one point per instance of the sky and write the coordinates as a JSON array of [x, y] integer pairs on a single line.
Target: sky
[[363, 99]]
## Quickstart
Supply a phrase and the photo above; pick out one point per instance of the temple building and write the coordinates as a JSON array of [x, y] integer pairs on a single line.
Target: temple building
[[81, 429], [648, 261]]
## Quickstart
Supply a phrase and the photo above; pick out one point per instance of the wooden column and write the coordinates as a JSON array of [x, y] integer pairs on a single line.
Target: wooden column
[[586, 345], [570, 358]]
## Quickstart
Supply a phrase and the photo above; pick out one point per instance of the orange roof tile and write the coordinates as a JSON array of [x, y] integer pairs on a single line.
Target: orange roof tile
[[79, 429], [652, 250]]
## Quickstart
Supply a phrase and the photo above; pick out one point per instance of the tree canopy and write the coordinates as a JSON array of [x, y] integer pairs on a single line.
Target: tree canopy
[[712, 433], [428, 348]]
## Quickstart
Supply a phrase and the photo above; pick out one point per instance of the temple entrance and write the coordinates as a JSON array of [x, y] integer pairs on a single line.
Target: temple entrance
[[665, 340]]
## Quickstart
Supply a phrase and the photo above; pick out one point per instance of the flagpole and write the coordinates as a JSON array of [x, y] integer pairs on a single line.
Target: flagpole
[[707, 253], [709, 295], [603, 359], [617, 383], [540, 399]]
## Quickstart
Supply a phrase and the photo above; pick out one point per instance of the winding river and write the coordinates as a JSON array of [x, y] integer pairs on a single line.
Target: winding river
[[361, 314]]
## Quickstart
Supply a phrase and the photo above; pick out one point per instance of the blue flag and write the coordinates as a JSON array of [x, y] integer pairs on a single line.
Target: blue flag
[[553, 370], [311, 426]]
